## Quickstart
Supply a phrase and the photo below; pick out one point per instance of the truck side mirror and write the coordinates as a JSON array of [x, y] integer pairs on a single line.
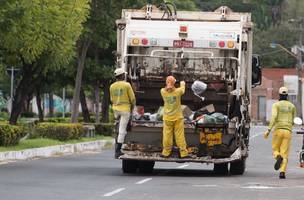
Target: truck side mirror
[[256, 71]]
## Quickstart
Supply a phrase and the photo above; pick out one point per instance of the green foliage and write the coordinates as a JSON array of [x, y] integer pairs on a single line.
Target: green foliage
[[34, 29], [106, 129], [4, 116], [59, 131], [10, 134], [284, 35], [58, 120], [28, 114]]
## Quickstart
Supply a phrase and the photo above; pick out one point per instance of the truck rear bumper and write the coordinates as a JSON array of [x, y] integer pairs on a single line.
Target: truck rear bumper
[[137, 155]]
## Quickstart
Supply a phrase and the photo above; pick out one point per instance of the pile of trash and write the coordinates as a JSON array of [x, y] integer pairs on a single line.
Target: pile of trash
[[205, 115]]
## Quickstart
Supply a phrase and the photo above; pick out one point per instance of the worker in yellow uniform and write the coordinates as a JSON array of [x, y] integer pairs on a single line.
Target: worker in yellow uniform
[[173, 120], [123, 102], [283, 113]]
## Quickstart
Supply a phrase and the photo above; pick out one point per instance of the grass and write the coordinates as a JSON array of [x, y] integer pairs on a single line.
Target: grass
[[43, 142]]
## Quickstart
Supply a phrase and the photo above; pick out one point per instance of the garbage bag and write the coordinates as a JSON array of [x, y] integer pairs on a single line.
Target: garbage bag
[[198, 87], [219, 118]]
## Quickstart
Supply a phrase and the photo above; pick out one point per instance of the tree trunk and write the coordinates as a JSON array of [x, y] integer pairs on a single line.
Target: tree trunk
[[84, 107], [82, 52], [39, 106], [25, 88], [97, 100], [51, 105], [106, 101]]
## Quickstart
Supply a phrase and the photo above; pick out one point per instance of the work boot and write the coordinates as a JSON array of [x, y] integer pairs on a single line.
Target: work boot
[[278, 163], [118, 150], [282, 175]]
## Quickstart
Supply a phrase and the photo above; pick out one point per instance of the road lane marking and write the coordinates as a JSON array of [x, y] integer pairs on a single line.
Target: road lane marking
[[205, 185], [256, 135], [143, 181], [182, 166], [114, 192]]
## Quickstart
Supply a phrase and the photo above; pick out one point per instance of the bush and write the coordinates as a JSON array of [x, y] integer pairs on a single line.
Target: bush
[[4, 116], [28, 114], [58, 120], [106, 129], [59, 131], [11, 134]]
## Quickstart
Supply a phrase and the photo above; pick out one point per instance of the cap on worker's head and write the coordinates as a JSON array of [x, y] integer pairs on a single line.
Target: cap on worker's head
[[283, 90], [119, 71], [170, 81]]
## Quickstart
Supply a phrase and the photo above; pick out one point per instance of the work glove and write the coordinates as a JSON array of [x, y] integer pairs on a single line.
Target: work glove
[[266, 134], [182, 82]]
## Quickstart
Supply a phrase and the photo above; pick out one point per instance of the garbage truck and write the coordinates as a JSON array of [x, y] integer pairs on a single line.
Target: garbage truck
[[212, 47]]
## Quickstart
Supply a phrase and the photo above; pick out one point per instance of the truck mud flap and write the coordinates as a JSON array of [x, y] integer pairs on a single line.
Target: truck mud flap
[[137, 155]]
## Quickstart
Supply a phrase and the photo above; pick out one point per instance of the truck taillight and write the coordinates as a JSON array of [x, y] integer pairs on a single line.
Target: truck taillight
[[183, 29], [144, 41], [135, 41], [221, 44], [230, 44]]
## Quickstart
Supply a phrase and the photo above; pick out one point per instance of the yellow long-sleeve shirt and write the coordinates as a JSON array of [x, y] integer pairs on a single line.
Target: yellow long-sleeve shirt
[[283, 113], [122, 96], [172, 103]]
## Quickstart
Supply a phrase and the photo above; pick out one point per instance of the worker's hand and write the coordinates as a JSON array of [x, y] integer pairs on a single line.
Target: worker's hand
[[182, 83], [266, 134]]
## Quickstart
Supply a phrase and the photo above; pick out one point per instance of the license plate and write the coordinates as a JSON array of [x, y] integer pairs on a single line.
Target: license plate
[[182, 43], [211, 139]]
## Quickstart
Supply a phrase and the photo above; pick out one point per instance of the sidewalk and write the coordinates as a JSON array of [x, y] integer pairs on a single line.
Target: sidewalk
[[58, 150]]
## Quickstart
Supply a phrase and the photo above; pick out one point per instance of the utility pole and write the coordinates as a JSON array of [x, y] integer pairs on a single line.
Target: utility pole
[[63, 102], [12, 72], [300, 66]]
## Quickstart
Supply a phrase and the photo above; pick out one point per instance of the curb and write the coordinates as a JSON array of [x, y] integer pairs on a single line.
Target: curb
[[45, 152]]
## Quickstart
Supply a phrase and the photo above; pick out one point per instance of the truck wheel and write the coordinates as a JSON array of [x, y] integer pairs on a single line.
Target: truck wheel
[[238, 167], [146, 167], [220, 169], [129, 166]]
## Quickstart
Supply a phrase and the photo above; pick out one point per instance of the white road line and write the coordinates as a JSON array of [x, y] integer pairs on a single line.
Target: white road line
[[143, 181], [205, 185], [256, 135], [114, 192], [182, 166]]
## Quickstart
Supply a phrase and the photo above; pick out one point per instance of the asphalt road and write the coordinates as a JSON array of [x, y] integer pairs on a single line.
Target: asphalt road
[[99, 176]]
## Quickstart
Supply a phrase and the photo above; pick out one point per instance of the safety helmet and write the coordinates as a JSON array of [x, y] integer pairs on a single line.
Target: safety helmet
[[170, 81], [119, 71], [283, 90]]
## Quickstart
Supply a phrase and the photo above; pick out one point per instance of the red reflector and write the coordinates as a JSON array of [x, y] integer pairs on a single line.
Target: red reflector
[[221, 44], [183, 28], [144, 41]]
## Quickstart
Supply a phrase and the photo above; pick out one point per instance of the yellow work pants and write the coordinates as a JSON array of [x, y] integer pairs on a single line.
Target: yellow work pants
[[176, 128], [280, 146]]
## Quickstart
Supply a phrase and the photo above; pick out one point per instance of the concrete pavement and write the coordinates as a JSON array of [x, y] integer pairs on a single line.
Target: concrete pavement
[[99, 176]]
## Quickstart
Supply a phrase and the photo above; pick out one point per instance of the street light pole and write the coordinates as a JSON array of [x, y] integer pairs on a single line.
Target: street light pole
[[12, 70]]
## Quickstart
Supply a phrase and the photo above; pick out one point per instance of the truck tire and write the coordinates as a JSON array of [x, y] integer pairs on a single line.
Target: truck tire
[[220, 169], [238, 167], [146, 167], [129, 166]]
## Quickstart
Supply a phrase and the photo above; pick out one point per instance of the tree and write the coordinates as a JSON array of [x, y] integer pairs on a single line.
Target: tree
[[38, 37]]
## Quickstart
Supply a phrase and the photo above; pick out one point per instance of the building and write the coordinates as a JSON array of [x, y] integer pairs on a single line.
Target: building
[[266, 94]]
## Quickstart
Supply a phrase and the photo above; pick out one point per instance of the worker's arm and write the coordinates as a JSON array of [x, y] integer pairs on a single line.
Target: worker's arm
[[111, 94], [182, 87], [131, 97], [294, 112], [273, 120]]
